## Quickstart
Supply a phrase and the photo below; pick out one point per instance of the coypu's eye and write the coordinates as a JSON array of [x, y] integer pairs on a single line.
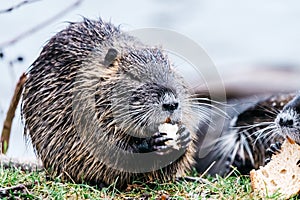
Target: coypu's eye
[[137, 98], [134, 98]]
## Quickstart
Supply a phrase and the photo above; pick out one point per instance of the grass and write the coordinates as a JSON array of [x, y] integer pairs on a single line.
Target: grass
[[17, 184]]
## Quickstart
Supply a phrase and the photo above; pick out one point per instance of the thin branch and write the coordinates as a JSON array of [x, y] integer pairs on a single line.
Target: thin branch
[[5, 192], [17, 6], [41, 25], [5, 135]]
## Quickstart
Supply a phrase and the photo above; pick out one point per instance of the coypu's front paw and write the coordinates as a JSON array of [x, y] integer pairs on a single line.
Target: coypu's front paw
[[164, 145], [161, 144], [273, 149], [184, 137], [158, 143]]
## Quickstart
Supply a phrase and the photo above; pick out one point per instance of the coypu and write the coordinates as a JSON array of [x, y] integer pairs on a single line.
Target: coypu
[[247, 135], [288, 120], [287, 124], [93, 102]]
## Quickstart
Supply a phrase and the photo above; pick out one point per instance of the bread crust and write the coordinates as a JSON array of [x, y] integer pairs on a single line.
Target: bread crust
[[280, 167]]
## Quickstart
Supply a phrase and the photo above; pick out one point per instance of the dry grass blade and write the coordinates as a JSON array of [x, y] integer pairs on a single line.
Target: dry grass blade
[[5, 135]]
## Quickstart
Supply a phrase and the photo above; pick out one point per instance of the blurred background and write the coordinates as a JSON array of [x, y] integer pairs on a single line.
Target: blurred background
[[254, 44]]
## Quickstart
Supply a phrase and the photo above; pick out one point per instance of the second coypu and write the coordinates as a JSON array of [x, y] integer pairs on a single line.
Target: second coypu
[[93, 102], [288, 120], [287, 124], [254, 126]]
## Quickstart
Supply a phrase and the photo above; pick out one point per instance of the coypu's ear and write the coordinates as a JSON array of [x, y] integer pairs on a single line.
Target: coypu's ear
[[110, 57]]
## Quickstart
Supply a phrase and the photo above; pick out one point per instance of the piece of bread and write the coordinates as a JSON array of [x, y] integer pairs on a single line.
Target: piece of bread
[[281, 174], [171, 131]]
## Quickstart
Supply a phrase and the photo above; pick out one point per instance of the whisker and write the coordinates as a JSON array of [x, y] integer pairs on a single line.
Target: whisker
[[264, 133], [260, 132], [247, 147], [269, 135], [254, 125], [214, 109], [274, 111], [210, 100]]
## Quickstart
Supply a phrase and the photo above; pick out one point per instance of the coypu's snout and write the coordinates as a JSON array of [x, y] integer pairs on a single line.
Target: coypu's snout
[[159, 102], [170, 107], [288, 120]]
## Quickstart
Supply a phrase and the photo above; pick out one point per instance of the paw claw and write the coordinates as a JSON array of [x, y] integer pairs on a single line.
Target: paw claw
[[267, 160], [161, 140], [272, 150]]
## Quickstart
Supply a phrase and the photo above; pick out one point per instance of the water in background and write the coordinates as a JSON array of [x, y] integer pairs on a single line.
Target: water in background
[[232, 32]]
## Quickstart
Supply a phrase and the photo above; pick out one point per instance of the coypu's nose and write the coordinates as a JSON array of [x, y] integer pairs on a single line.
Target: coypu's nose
[[170, 106], [169, 102], [286, 122]]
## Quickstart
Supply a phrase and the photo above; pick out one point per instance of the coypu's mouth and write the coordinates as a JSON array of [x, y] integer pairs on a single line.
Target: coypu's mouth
[[290, 140], [291, 134], [171, 121]]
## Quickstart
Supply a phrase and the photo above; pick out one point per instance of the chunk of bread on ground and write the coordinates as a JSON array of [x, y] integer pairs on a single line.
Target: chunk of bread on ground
[[281, 174]]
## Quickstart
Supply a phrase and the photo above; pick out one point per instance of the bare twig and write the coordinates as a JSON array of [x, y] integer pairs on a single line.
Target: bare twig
[[11, 113], [41, 25], [17, 6], [4, 192]]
